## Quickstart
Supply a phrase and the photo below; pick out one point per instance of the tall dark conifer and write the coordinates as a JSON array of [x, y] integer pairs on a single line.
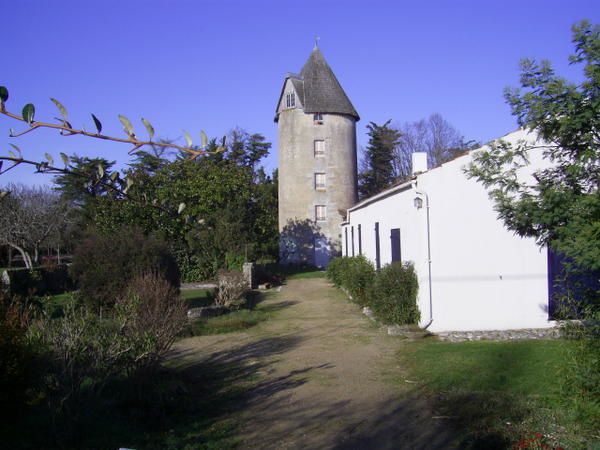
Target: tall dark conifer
[[377, 168]]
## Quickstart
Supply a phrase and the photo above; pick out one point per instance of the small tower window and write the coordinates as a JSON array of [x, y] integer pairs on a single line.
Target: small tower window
[[318, 118], [290, 100], [320, 213], [319, 148], [320, 181]]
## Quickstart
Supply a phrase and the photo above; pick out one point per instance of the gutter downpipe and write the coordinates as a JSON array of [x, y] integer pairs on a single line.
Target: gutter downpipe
[[424, 194]]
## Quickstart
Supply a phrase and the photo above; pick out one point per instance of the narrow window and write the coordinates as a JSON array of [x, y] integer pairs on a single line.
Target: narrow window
[[352, 239], [320, 181], [395, 243], [320, 213], [319, 149], [377, 249], [359, 240], [290, 100]]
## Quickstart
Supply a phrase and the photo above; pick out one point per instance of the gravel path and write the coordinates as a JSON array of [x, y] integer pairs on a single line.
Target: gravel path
[[323, 377]]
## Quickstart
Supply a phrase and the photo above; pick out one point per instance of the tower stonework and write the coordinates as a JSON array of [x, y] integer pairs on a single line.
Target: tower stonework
[[317, 162]]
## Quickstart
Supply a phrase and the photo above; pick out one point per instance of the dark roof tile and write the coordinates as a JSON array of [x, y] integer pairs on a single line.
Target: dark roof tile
[[319, 90]]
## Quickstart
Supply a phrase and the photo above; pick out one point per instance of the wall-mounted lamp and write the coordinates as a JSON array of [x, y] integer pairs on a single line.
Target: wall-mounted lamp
[[418, 202]]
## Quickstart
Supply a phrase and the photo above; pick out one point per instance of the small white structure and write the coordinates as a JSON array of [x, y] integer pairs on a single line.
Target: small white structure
[[474, 274]]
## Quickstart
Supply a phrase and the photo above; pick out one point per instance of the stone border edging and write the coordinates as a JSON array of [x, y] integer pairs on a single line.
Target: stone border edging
[[465, 336]]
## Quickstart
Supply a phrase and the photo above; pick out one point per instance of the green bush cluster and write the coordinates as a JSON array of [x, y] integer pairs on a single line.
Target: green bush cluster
[[40, 281], [355, 274], [394, 294], [582, 367], [104, 264], [391, 293]]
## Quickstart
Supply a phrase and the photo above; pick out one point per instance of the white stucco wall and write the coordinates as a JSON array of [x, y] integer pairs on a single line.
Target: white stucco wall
[[483, 276]]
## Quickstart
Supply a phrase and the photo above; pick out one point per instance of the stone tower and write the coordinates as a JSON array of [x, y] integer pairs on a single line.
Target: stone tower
[[317, 162]]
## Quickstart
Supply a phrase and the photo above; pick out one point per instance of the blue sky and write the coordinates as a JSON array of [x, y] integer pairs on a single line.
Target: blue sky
[[214, 65]]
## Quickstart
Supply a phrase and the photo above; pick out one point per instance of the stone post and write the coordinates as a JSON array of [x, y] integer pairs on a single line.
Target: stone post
[[249, 274], [5, 281]]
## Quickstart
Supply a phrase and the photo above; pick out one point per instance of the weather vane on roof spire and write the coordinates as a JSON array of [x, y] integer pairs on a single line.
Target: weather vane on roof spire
[[317, 38]]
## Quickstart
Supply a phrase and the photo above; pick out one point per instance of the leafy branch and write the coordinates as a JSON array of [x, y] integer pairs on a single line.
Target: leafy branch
[[66, 129]]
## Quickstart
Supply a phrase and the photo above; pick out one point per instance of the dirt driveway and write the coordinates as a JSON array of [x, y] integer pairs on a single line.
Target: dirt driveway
[[320, 375]]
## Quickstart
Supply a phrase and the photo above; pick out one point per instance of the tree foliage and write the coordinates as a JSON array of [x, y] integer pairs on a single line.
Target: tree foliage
[[378, 172], [562, 208], [104, 265], [229, 207]]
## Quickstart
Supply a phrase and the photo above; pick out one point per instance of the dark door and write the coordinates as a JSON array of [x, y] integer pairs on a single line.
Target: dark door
[[359, 240], [377, 249], [395, 243]]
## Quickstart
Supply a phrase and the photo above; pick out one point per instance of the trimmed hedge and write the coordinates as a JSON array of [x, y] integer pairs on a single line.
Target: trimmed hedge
[[391, 293], [40, 281]]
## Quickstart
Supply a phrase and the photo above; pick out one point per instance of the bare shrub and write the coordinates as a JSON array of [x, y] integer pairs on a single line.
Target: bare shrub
[[153, 314], [86, 349], [232, 287]]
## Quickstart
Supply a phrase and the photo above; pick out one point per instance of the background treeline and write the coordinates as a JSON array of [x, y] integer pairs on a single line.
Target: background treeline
[[227, 203]]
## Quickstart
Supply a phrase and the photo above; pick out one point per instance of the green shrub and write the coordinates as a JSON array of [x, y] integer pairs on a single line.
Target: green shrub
[[234, 261], [86, 351], [336, 269], [358, 278], [40, 281], [581, 370], [393, 294], [15, 359], [104, 265], [355, 274]]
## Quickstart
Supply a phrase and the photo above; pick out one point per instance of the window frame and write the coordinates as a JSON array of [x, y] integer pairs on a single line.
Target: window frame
[[323, 217], [290, 100], [320, 186], [319, 153]]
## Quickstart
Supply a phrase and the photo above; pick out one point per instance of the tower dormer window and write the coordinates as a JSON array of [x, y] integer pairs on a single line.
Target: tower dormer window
[[290, 100]]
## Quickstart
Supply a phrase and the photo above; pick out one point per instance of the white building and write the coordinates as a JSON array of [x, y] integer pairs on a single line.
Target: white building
[[474, 274]]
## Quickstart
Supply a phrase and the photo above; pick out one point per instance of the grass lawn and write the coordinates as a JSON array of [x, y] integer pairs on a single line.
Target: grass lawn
[[196, 298], [55, 304], [236, 320], [500, 392], [313, 273]]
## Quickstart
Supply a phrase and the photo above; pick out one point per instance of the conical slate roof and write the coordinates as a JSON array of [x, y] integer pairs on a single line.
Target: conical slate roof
[[319, 90]]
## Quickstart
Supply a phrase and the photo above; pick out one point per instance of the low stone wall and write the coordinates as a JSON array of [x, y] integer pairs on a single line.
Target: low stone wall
[[500, 335], [206, 311]]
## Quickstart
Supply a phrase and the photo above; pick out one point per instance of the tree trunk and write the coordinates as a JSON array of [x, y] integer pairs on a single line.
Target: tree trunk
[[24, 255]]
